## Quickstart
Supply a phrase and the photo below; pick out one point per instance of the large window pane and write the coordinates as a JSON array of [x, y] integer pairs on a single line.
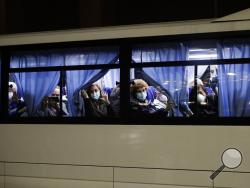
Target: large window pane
[[34, 94], [93, 93], [234, 89], [222, 90], [161, 91]]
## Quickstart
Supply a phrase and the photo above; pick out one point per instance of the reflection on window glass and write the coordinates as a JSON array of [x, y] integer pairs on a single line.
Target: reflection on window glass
[[88, 56], [161, 92], [93, 93], [34, 94]]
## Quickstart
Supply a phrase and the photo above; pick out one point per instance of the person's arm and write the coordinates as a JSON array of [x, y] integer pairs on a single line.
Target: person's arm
[[104, 97], [84, 94], [201, 91]]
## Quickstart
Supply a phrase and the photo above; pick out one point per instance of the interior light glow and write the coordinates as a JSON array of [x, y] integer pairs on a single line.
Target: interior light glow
[[203, 56], [166, 82], [231, 74]]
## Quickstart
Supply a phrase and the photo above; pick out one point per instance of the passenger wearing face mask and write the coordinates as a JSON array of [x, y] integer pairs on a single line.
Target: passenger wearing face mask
[[140, 105], [55, 102], [17, 106], [96, 102]]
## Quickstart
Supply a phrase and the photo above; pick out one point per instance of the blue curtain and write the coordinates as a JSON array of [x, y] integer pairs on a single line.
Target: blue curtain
[[77, 80], [234, 79], [173, 79], [36, 59], [91, 56], [160, 53], [34, 86], [111, 78]]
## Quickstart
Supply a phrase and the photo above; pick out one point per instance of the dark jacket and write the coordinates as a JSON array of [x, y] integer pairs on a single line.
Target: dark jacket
[[97, 108], [148, 110]]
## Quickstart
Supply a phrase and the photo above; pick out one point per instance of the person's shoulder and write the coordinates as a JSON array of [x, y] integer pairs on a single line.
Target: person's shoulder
[[103, 102]]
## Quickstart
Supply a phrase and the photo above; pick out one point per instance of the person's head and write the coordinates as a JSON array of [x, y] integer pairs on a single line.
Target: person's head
[[45, 102], [94, 91], [12, 90], [139, 89], [53, 102], [56, 92]]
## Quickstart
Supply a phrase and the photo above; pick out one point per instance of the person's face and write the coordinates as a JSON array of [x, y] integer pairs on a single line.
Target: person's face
[[56, 93], [12, 89], [52, 103], [45, 101], [140, 90], [11, 92], [141, 94], [94, 89], [94, 92]]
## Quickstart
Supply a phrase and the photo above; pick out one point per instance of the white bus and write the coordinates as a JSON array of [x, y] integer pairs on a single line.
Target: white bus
[[151, 105]]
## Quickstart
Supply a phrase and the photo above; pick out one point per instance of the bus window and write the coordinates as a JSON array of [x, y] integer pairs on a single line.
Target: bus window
[[93, 93], [161, 91], [35, 90], [70, 57], [34, 94], [233, 90], [222, 90]]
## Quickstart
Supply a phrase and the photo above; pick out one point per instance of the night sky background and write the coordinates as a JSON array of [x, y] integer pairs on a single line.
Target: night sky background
[[40, 15]]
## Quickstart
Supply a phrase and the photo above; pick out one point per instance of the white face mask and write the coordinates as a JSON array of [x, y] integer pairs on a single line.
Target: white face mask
[[141, 96], [201, 98], [10, 95], [95, 95]]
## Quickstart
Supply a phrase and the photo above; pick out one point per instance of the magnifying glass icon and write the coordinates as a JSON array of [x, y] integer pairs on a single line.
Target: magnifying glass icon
[[231, 158]]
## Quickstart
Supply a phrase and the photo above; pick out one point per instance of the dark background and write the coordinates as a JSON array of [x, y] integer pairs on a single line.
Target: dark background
[[39, 15]]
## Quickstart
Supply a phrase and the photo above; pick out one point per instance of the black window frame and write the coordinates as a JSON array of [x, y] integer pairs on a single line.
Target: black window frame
[[1, 83], [125, 64]]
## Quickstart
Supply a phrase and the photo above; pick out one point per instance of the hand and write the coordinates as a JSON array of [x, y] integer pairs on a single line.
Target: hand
[[105, 96], [84, 94]]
